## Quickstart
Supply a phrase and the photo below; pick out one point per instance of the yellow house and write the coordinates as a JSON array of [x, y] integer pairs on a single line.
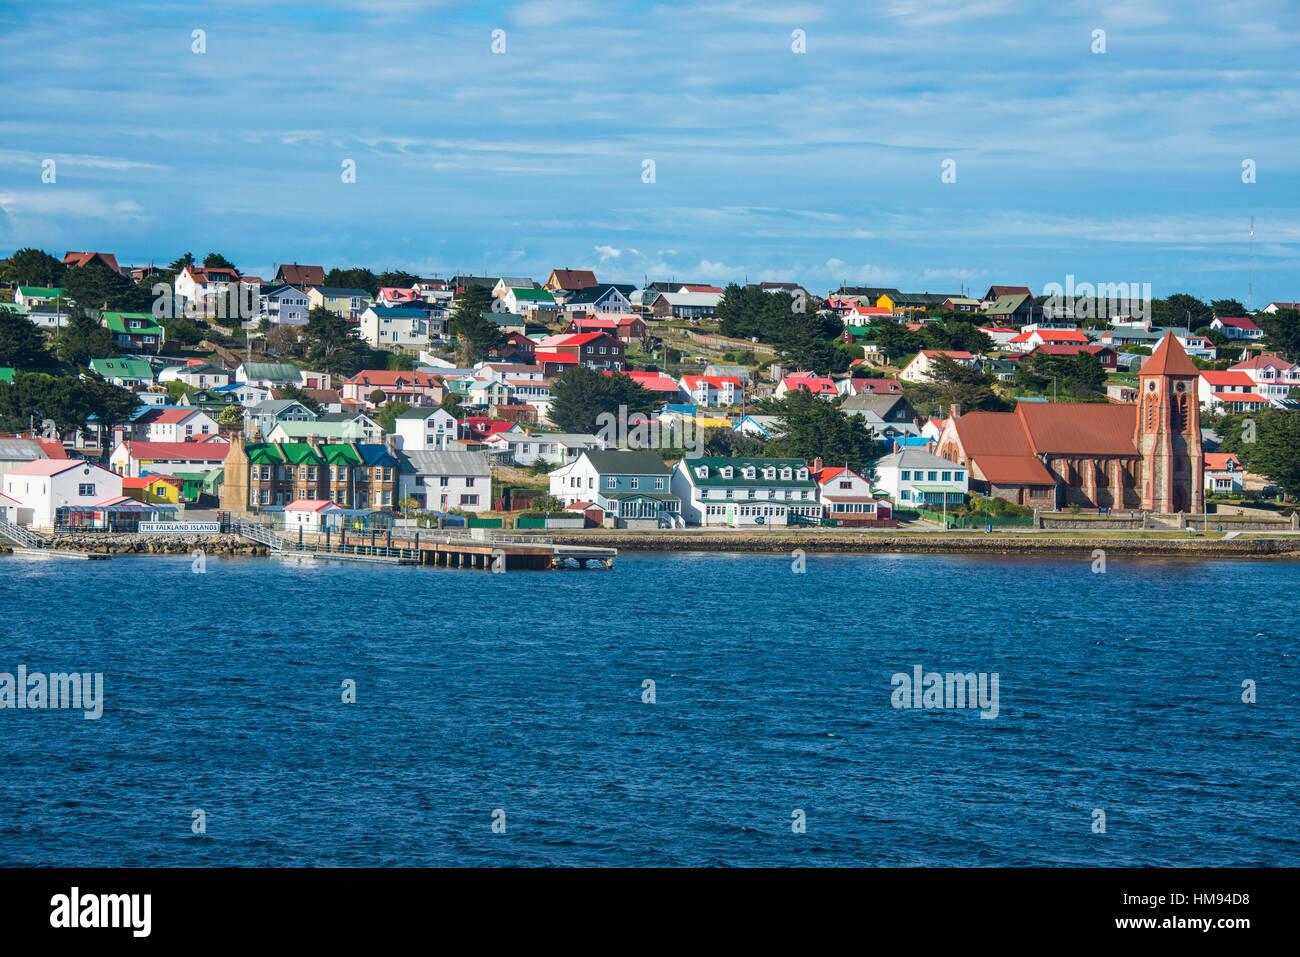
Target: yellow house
[[349, 303], [901, 304], [153, 489]]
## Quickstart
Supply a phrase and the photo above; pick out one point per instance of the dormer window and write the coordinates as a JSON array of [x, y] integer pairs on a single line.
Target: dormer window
[[769, 473], [786, 473], [726, 471], [803, 475], [702, 471], [749, 472]]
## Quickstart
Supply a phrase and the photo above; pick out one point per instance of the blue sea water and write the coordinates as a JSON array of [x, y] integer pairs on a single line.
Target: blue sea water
[[523, 692]]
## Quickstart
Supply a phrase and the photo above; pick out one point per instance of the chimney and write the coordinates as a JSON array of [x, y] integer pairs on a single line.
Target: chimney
[[817, 464], [898, 446], [954, 411], [390, 440]]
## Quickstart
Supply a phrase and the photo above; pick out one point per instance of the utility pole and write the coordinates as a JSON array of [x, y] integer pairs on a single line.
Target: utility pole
[[1250, 280]]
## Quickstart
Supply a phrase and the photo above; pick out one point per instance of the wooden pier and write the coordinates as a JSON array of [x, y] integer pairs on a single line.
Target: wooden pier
[[437, 548]]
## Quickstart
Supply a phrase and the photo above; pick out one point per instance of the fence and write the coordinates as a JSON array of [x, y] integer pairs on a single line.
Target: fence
[[978, 521]]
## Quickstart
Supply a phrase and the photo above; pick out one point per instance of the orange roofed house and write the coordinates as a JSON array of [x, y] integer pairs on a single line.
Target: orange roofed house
[[1124, 457]]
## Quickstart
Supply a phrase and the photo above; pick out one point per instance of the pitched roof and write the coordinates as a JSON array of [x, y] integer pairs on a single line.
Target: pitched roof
[[1169, 358], [310, 505], [626, 461], [45, 467], [296, 275], [1239, 322], [1228, 377], [73, 260], [1219, 461], [573, 278], [204, 451], [444, 463], [1263, 361]]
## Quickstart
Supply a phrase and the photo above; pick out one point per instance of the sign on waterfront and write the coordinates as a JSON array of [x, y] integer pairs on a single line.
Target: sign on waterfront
[[182, 528]]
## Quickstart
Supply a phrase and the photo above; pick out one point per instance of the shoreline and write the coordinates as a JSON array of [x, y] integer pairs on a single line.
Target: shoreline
[[1262, 548]]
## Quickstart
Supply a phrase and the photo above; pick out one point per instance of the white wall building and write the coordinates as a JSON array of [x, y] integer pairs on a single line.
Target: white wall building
[[34, 491], [445, 481], [425, 430], [745, 492]]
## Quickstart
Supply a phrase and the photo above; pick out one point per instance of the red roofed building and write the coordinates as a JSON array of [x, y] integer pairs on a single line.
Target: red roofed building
[[1237, 327], [1107, 356], [664, 387], [1223, 473], [479, 427], [570, 280], [711, 391], [143, 458], [846, 498], [300, 276], [1230, 391], [869, 387], [418, 388], [74, 260], [807, 382], [1120, 456], [1029, 341], [554, 363], [596, 350]]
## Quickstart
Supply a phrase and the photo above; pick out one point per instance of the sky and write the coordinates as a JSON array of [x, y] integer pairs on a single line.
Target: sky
[[819, 167]]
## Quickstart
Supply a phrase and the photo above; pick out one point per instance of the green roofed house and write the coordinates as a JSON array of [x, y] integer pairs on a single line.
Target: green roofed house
[[127, 373], [273, 474], [28, 296], [522, 301], [746, 491], [632, 487], [270, 375], [14, 307], [135, 331]]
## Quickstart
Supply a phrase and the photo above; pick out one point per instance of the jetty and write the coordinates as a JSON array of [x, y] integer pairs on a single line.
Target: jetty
[[28, 544], [436, 547]]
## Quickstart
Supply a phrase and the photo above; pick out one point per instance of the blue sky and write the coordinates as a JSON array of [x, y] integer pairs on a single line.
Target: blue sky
[[819, 167]]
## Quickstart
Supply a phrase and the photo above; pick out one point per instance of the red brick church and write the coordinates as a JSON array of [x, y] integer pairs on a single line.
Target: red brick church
[[1122, 456]]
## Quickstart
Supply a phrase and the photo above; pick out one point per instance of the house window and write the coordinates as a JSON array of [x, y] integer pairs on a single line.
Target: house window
[[934, 476], [659, 485], [905, 475], [86, 488], [469, 500], [444, 481], [636, 483]]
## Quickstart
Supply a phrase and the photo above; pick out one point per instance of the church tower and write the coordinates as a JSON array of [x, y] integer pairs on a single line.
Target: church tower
[[1168, 431]]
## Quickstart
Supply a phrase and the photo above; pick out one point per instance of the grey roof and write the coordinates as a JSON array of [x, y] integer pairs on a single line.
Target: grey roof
[[444, 463], [275, 406], [882, 405], [563, 438], [21, 450], [911, 457], [626, 462]]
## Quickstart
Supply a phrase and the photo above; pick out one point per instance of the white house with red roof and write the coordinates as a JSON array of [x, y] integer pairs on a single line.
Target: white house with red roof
[[1237, 327], [554, 363], [35, 491], [1223, 473], [144, 458], [308, 514], [1030, 340], [918, 370], [820, 385], [660, 384], [172, 425], [711, 391], [846, 497], [1228, 391], [864, 386], [1274, 377]]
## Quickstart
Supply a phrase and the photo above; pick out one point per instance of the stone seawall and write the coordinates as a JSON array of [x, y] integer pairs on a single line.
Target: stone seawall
[[939, 544], [137, 544]]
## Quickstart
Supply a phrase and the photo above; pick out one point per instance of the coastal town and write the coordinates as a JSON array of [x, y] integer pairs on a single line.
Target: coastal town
[[315, 402]]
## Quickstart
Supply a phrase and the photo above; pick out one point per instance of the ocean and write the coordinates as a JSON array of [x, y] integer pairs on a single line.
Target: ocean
[[678, 710]]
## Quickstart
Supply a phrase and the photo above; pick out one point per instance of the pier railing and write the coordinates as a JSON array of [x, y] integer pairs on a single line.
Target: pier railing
[[19, 535]]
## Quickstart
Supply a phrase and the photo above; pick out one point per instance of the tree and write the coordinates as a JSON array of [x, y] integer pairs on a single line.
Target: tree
[[814, 428], [95, 286], [377, 397], [395, 279], [328, 332], [353, 279], [1227, 307], [952, 383], [300, 396], [231, 418], [183, 332], [387, 416], [21, 345], [69, 402], [451, 403], [477, 336], [109, 404], [1282, 331], [1275, 452], [1180, 309], [803, 344], [580, 395], [32, 267], [216, 260], [729, 443], [83, 339]]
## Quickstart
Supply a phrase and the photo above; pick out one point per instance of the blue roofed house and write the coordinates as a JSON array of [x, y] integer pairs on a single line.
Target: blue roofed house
[[633, 487]]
